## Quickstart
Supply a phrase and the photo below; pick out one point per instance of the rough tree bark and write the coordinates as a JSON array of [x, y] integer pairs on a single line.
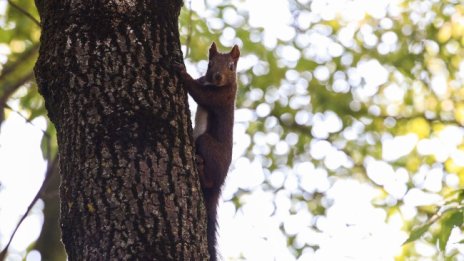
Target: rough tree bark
[[129, 189]]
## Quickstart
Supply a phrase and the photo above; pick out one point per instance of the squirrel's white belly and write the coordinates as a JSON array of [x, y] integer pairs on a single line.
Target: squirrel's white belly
[[201, 122]]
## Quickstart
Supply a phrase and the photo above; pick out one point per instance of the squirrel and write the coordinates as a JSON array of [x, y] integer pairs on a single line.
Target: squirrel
[[214, 121]]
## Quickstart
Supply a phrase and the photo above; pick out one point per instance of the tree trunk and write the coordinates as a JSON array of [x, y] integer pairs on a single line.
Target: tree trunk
[[129, 188]]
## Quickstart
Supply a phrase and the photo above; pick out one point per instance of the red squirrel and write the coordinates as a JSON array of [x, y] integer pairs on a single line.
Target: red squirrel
[[214, 121]]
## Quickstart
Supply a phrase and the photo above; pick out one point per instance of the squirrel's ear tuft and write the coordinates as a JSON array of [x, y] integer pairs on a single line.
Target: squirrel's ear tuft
[[235, 52], [213, 50]]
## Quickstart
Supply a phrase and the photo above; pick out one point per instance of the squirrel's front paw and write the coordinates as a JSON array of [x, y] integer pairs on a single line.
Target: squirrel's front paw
[[199, 161], [200, 164], [179, 67]]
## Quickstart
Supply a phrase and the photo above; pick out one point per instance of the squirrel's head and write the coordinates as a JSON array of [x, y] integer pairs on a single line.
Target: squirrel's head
[[222, 66]]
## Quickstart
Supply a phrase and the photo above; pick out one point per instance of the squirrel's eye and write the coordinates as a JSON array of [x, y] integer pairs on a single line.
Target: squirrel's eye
[[231, 66]]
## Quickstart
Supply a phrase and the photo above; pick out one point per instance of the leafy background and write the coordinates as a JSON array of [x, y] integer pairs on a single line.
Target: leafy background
[[349, 138]]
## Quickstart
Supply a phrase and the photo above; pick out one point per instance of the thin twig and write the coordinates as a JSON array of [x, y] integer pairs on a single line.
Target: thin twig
[[189, 31], [26, 13], [45, 133], [10, 89], [11, 67], [50, 170]]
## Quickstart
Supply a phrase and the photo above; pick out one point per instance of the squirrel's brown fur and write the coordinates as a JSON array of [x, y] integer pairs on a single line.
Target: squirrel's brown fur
[[215, 95]]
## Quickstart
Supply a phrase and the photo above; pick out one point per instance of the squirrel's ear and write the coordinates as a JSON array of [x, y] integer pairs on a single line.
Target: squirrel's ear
[[213, 50], [235, 52]]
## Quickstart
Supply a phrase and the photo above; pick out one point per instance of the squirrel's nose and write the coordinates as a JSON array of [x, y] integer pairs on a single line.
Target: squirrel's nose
[[217, 77]]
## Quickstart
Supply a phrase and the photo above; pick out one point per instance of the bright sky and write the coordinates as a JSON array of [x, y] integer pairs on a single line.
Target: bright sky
[[352, 229], [21, 173]]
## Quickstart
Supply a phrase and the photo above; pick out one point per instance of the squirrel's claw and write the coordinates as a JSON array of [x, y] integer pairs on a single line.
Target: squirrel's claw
[[179, 66]]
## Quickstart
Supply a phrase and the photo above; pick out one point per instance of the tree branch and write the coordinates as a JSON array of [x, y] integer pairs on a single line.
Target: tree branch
[[10, 89], [10, 67], [45, 133], [51, 166], [26, 13], [420, 115]]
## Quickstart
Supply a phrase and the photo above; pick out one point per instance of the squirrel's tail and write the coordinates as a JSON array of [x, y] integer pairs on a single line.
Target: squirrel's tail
[[212, 241], [211, 198]]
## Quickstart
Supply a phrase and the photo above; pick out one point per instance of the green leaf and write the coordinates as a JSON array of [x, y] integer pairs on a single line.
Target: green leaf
[[451, 219], [458, 192], [418, 232]]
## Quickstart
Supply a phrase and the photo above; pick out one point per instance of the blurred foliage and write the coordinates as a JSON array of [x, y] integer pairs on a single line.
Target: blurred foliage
[[340, 91], [342, 95]]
